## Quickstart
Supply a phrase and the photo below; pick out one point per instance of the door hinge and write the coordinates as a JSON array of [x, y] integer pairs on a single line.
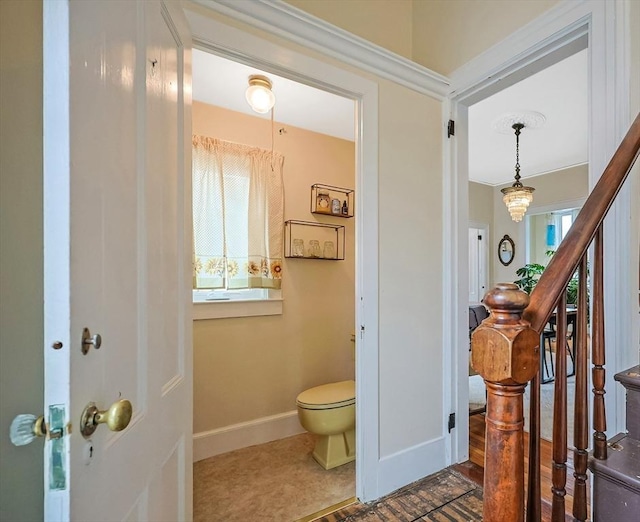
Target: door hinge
[[452, 421], [451, 128]]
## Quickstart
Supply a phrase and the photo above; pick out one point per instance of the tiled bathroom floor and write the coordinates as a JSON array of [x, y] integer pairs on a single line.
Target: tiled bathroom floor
[[278, 481]]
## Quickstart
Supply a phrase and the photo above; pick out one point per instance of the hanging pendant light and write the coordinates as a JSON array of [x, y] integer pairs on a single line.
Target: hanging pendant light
[[517, 197], [259, 94]]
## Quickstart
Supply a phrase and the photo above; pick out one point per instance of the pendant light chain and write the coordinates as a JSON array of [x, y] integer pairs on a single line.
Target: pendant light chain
[[272, 109], [518, 127]]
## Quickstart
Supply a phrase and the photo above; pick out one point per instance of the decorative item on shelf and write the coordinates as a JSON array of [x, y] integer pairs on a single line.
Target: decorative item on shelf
[[329, 250], [324, 202], [328, 199], [328, 243], [314, 248], [298, 248]]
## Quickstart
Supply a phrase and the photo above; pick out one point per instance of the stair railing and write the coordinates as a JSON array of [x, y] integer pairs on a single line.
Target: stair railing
[[506, 352]]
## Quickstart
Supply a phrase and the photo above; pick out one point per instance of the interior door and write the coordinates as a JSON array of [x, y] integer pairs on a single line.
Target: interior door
[[117, 88], [477, 264]]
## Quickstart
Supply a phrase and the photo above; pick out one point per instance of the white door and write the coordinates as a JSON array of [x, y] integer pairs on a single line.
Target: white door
[[477, 264], [117, 88]]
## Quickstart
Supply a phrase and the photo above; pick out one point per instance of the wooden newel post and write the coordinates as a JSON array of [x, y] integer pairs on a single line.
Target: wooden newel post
[[505, 351]]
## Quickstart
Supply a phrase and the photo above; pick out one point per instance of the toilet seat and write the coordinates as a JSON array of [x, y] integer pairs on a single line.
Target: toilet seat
[[328, 396]]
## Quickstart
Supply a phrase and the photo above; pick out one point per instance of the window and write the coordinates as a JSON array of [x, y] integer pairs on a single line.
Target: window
[[238, 215], [558, 224], [566, 220]]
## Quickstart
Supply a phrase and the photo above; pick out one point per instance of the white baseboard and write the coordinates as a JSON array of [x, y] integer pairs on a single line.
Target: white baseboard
[[236, 436], [406, 466]]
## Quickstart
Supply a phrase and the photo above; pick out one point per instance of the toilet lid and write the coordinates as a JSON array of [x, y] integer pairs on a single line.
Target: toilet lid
[[334, 395]]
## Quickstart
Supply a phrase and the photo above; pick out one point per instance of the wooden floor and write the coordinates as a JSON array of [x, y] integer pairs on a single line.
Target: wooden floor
[[474, 468], [442, 497], [447, 496]]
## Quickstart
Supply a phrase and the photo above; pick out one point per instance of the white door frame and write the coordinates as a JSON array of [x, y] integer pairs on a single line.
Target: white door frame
[[228, 42], [546, 40]]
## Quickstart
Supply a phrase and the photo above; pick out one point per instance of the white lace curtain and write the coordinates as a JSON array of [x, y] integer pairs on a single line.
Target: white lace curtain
[[238, 214]]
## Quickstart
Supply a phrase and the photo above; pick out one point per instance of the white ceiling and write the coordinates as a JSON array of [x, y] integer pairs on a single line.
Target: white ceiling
[[558, 92], [221, 82]]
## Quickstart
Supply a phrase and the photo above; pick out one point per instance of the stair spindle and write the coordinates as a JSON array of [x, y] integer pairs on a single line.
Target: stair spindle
[[581, 409], [559, 472], [533, 488], [598, 351]]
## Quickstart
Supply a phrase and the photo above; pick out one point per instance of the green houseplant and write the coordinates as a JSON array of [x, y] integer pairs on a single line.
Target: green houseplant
[[530, 274]]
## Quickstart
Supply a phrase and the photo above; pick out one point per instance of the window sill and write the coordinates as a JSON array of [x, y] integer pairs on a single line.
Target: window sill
[[236, 308]]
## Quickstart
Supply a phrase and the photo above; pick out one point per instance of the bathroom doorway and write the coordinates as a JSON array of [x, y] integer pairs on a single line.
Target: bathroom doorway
[[251, 359]]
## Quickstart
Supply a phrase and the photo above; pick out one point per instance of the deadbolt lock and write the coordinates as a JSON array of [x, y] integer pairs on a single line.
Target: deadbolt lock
[[89, 340]]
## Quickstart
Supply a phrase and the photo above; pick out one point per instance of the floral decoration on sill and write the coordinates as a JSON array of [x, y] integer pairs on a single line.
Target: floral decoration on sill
[[255, 270], [215, 266], [276, 270], [252, 268], [232, 268]]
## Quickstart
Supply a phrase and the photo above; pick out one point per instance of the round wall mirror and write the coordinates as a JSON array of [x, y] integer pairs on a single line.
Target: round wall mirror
[[506, 250]]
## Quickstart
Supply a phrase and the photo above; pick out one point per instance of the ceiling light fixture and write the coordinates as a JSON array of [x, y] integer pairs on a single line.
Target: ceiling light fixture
[[259, 94], [517, 197]]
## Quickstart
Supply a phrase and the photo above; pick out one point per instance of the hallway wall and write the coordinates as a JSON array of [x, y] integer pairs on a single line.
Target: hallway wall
[[21, 276]]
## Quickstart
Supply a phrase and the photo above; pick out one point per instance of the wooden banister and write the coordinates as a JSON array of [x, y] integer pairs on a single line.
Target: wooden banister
[[564, 262], [506, 353]]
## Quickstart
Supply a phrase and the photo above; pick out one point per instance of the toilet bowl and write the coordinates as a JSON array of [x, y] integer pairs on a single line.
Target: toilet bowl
[[329, 411]]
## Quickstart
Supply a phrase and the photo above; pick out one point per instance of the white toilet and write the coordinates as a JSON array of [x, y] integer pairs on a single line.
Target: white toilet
[[329, 411]]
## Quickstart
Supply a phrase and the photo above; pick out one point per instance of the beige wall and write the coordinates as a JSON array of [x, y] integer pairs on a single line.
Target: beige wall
[[21, 277], [386, 23], [538, 239], [447, 34], [248, 368], [559, 188], [480, 203], [553, 191], [439, 34]]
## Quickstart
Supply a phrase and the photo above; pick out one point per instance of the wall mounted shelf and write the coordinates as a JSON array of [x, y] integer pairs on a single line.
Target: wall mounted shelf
[[311, 240], [332, 201]]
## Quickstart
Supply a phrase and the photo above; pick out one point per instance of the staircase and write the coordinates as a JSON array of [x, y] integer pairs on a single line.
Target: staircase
[[616, 481], [506, 353]]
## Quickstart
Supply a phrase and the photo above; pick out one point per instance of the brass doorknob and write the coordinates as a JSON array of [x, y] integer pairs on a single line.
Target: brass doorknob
[[117, 417]]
